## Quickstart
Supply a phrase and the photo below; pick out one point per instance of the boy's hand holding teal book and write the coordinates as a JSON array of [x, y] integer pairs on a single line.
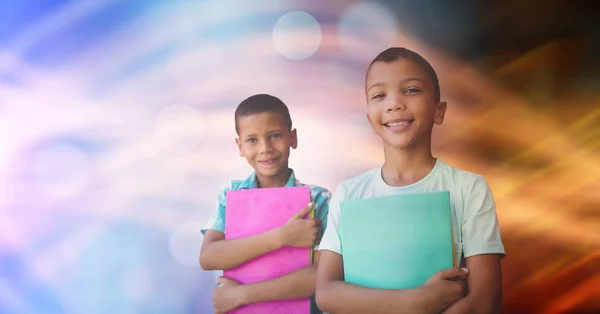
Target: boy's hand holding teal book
[[443, 289]]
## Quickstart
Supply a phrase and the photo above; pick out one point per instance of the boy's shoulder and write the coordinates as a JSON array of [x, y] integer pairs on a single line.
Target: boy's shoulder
[[462, 184], [459, 177], [315, 188], [316, 191], [358, 182], [233, 185]]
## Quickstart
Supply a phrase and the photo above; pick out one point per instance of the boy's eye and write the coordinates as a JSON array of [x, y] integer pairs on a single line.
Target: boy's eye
[[250, 140], [275, 136], [412, 90], [379, 95]]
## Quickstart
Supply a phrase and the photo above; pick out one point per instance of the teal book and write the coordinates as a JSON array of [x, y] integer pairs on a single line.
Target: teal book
[[398, 241]]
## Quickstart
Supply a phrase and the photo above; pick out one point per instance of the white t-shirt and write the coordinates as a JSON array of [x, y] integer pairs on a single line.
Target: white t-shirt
[[474, 221]]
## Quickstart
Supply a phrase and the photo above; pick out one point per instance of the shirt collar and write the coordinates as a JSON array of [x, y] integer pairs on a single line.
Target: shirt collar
[[252, 183]]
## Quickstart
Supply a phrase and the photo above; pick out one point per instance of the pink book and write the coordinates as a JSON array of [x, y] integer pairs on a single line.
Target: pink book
[[254, 211]]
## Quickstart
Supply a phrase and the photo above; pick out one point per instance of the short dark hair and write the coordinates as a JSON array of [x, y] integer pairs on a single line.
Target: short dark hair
[[396, 53], [262, 103]]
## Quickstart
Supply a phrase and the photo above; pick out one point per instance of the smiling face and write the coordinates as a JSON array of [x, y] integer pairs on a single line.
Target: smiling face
[[401, 103], [265, 141]]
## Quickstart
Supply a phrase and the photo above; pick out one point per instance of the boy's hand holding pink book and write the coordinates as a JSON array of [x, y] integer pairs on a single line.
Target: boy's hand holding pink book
[[228, 296], [299, 231]]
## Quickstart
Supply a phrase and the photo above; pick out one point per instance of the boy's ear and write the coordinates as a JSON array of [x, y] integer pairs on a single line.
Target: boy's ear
[[440, 112], [294, 143], [238, 142], [369, 119]]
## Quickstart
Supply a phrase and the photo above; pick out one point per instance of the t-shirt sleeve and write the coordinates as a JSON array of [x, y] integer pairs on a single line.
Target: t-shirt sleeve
[[481, 229], [331, 238], [320, 199], [217, 221]]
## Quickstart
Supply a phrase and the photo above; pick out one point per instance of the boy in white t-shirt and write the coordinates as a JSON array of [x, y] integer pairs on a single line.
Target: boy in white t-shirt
[[403, 105]]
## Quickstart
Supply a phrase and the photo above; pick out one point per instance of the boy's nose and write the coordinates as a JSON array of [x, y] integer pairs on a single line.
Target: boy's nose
[[397, 104], [266, 147]]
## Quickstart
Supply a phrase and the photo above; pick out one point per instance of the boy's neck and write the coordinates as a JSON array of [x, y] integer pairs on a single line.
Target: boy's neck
[[277, 181], [408, 165]]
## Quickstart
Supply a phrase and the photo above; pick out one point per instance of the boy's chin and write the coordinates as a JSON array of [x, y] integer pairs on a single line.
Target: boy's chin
[[398, 142], [269, 172]]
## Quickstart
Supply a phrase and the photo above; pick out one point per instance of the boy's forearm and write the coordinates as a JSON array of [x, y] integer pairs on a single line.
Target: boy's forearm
[[343, 297], [470, 304], [296, 285], [462, 306], [227, 254]]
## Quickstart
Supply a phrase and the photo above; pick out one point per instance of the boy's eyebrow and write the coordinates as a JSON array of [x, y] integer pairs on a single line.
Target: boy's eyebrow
[[268, 132], [378, 84], [413, 79]]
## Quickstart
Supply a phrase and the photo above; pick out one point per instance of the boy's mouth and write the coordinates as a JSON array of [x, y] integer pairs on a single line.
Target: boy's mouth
[[269, 162], [398, 124]]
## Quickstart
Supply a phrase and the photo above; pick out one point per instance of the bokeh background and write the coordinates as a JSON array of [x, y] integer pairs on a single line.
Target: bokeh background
[[116, 133]]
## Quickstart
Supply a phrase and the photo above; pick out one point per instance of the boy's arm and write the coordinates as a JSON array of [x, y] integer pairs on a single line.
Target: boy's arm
[[483, 250], [333, 295], [220, 254], [336, 296], [296, 285], [485, 286]]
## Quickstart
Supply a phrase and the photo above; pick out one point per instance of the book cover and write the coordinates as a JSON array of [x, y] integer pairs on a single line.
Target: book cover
[[398, 241], [254, 211]]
